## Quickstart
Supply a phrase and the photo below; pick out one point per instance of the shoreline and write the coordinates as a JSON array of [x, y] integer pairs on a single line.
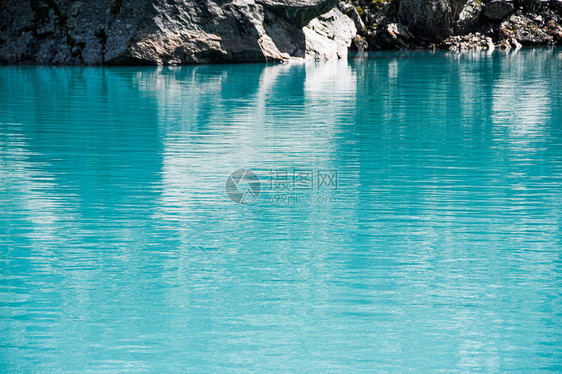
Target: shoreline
[[456, 24], [352, 54], [167, 33]]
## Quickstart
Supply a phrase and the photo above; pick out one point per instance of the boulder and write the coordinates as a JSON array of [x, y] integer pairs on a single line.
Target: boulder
[[167, 32], [532, 5], [555, 30], [430, 19], [352, 12], [398, 34], [525, 30], [515, 43], [469, 17], [299, 12], [556, 5], [469, 42], [498, 10]]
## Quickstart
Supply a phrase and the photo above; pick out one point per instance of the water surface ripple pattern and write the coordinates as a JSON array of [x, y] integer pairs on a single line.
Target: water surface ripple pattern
[[432, 244]]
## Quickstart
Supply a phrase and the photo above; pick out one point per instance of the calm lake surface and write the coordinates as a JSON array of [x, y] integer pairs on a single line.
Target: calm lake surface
[[408, 217]]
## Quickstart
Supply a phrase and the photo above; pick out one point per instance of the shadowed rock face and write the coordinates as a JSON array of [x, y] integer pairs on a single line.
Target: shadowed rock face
[[497, 10], [299, 12], [432, 19], [459, 24], [170, 31]]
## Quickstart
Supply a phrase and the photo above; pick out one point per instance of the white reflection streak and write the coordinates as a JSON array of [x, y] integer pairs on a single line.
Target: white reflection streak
[[522, 106], [196, 163], [31, 184]]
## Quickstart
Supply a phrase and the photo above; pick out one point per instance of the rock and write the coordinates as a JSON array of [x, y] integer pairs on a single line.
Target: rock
[[538, 20], [398, 31], [352, 13], [525, 30], [329, 36], [532, 5], [556, 5], [431, 19], [360, 43], [166, 32], [299, 12], [473, 41], [394, 35], [469, 17], [489, 29], [498, 9], [555, 30], [504, 45], [431, 22], [515, 43]]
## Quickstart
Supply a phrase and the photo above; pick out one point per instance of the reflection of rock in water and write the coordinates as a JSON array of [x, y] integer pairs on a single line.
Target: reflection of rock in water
[[521, 106], [217, 119]]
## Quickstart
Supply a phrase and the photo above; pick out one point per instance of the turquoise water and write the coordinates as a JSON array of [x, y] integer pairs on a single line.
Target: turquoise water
[[408, 217]]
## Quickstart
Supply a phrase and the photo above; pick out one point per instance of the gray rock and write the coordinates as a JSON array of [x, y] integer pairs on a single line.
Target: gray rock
[[166, 32], [431, 19], [498, 10], [299, 12], [351, 11], [397, 34], [470, 42], [360, 43], [554, 30], [515, 43], [532, 5], [556, 5], [525, 30], [469, 17]]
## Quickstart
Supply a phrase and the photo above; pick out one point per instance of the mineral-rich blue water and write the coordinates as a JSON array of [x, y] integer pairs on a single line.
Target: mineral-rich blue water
[[408, 217]]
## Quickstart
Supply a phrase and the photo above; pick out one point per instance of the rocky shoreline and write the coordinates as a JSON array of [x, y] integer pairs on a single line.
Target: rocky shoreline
[[456, 25], [170, 32]]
